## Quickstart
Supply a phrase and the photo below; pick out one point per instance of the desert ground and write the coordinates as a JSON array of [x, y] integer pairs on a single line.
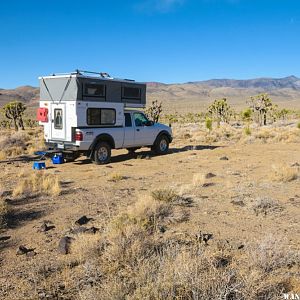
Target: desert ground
[[216, 218]]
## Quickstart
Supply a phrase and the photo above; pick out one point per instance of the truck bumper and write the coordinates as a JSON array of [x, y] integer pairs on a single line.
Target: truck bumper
[[62, 146]]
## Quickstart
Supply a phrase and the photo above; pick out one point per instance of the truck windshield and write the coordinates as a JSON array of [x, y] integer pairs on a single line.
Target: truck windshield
[[140, 119]]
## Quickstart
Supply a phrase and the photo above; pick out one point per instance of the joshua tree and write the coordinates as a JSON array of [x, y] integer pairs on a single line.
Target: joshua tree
[[261, 104], [14, 111], [154, 111], [221, 110]]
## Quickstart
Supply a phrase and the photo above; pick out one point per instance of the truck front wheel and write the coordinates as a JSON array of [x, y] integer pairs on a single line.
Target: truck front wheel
[[161, 145], [102, 153]]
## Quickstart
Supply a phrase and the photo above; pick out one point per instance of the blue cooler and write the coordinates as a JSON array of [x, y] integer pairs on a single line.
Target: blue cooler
[[39, 165], [58, 159]]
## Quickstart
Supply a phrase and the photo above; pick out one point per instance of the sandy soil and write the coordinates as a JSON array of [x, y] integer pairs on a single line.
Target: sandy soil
[[221, 205]]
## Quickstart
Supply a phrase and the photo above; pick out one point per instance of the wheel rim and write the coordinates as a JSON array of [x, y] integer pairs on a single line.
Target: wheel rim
[[163, 145], [102, 154]]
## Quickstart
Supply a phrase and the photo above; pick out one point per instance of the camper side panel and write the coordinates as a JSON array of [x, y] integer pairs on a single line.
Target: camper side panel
[[58, 89], [82, 113]]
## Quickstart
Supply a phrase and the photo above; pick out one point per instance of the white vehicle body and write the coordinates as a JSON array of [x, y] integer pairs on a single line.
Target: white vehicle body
[[79, 125]]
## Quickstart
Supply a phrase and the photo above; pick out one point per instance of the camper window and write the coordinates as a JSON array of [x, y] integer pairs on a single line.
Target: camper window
[[94, 90], [131, 92], [101, 116], [58, 124]]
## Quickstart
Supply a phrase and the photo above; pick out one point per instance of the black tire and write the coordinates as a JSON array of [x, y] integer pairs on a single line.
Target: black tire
[[102, 153], [161, 145]]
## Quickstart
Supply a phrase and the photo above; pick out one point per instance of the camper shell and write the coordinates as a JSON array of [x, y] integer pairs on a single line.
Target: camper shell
[[79, 86], [81, 110]]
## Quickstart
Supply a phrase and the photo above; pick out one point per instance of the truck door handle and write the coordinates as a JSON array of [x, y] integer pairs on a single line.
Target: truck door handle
[[137, 130]]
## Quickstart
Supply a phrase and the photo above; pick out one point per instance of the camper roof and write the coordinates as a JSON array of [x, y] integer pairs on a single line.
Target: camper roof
[[87, 74]]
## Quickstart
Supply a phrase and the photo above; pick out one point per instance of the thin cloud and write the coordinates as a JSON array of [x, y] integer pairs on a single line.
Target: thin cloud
[[161, 6]]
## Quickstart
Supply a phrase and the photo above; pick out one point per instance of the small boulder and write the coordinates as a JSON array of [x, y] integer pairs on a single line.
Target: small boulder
[[45, 227], [83, 220], [24, 250], [82, 229], [224, 158], [210, 175], [64, 245]]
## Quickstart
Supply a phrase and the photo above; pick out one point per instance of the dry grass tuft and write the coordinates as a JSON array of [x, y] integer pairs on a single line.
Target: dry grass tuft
[[3, 208], [40, 182], [13, 144], [264, 205], [3, 211], [116, 177], [146, 213], [284, 173], [18, 143], [271, 253], [85, 246], [164, 195]]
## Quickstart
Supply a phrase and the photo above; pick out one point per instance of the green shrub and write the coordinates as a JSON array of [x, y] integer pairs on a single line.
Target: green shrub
[[208, 123], [247, 130]]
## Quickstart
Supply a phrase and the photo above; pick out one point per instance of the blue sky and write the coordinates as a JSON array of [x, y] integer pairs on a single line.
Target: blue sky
[[149, 40]]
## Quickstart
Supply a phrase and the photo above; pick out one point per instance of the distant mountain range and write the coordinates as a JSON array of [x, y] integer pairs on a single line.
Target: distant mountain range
[[197, 94]]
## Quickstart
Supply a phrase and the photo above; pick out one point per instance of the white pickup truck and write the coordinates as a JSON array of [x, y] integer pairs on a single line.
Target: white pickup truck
[[137, 131], [90, 115]]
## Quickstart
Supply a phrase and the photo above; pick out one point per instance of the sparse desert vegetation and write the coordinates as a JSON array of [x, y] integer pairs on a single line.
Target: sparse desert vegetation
[[216, 218]]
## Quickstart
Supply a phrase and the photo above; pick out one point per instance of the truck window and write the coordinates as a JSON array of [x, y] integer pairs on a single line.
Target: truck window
[[131, 93], [58, 124], [101, 116], [128, 122], [94, 90], [108, 117], [140, 119]]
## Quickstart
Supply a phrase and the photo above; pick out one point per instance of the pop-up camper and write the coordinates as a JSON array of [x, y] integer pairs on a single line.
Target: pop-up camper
[[82, 109]]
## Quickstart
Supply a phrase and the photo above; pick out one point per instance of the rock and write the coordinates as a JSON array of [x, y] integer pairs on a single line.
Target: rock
[[221, 262], [23, 250], [162, 229], [208, 184], [210, 175], [4, 238], [83, 220], [45, 227], [92, 230], [82, 229], [31, 254], [224, 158], [204, 237], [238, 202], [241, 247], [78, 230], [64, 245]]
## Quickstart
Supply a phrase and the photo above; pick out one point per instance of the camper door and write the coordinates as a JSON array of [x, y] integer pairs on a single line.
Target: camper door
[[58, 121]]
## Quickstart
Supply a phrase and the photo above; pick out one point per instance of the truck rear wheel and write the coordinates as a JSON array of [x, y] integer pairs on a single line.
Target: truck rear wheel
[[161, 145], [102, 153]]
